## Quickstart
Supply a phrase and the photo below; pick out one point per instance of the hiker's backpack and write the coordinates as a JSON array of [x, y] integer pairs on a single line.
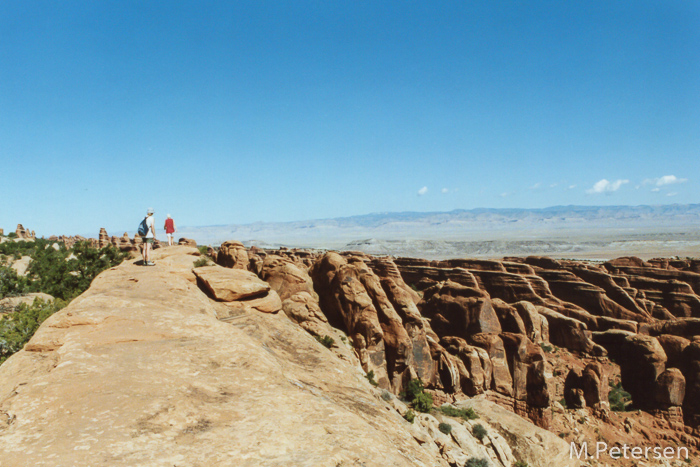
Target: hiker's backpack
[[143, 227]]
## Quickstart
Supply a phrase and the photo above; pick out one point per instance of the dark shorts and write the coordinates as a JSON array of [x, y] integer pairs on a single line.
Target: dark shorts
[[148, 240]]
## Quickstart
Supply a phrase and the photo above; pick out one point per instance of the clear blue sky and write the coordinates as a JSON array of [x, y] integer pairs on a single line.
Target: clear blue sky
[[242, 111]]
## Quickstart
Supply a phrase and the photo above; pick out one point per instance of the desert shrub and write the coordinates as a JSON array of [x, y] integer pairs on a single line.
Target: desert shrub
[[474, 462], [546, 347], [201, 262], [520, 464], [423, 402], [19, 326], [66, 273], [19, 249], [386, 395], [11, 283], [619, 399], [466, 414], [327, 341], [409, 416], [445, 428], [55, 272], [12, 235], [479, 431], [413, 388], [370, 378], [203, 250]]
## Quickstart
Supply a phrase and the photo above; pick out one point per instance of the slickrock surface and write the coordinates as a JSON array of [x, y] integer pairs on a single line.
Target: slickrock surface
[[138, 371]]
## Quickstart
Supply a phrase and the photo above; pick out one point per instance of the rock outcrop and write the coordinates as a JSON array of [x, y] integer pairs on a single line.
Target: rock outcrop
[[146, 369]]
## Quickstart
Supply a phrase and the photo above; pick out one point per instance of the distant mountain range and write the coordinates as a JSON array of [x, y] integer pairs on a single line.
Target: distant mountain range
[[445, 231]]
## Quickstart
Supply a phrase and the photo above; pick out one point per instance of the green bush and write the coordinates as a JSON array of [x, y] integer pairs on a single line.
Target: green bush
[[479, 431], [327, 341], [19, 326], [520, 464], [11, 284], [63, 273], [620, 400], [423, 402], [203, 250], [370, 378], [546, 347], [201, 262], [466, 414], [386, 395], [413, 388], [66, 273], [410, 416], [474, 462], [445, 428]]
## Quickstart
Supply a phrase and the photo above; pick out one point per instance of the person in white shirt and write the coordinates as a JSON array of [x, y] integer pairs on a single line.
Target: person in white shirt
[[149, 238]]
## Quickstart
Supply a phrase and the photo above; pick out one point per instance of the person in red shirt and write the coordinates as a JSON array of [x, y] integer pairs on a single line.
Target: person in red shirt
[[170, 229]]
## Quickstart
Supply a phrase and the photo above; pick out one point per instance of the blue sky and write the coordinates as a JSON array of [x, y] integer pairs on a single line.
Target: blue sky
[[243, 111]]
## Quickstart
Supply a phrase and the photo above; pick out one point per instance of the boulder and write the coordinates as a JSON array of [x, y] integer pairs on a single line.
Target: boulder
[[232, 254], [670, 388], [187, 242], [303, 309], [285, 277], [228, 285], [9, 303]]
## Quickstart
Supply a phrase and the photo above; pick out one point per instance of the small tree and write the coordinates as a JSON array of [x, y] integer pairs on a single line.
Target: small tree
[[479, 431], [445, 428], [474, 462]]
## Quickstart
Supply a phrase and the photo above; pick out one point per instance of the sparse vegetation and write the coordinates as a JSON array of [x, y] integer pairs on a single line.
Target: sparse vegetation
[[546, 347], [562, 401], [370, 378], [409, 416], [520, 464], [386, 395], [445, 428], [474, 462], [11, 284], [466, 414], [66, 273], [61, 272], [17, 327], [620, 400], [479, 431], [328, 341], [415, 393], [201, 262]]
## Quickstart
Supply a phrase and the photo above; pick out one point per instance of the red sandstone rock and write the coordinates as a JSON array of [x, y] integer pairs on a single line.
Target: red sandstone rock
[[502, 381], [566, 332], [230, 285], [187, 242], [232, 254], [285, 278], [670, 388]]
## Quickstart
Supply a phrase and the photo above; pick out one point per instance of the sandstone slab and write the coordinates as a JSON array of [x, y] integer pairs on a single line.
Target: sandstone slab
[[228, 285]]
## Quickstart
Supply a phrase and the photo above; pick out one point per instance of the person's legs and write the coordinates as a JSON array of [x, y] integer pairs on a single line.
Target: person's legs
[[146, 251]]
